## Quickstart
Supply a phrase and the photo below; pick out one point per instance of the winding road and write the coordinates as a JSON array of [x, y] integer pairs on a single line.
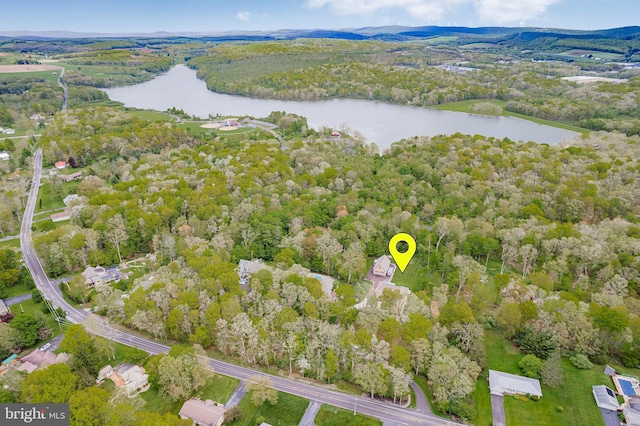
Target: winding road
[[313, 392]]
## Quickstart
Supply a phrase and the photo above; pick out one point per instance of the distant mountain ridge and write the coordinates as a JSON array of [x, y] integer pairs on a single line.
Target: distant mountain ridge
[[394, 32]]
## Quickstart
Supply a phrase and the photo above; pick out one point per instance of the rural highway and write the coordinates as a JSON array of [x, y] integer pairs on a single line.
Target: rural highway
[[312, 392]]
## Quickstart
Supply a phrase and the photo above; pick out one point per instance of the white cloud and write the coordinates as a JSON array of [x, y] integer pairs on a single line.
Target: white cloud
[[244, 16], [489, 11], [501, 11]]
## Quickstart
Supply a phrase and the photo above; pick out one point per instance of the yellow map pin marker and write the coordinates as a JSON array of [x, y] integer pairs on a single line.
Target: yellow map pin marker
[[402, 259]]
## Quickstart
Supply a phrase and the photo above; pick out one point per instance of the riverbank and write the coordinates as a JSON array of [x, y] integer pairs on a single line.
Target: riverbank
[[465, 106]]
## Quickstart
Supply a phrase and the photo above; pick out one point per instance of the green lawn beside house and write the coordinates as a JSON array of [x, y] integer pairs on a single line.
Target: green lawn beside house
[[333, 416], [574, 395], [287, 412]]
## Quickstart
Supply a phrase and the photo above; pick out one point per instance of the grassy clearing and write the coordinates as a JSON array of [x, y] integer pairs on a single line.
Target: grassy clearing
[[151, 115], [10, 244], [17, 289], [38, 75], [220, 389], [482, 399], [478, 46], [158, 403], [333, 416], [287, 412], [464, 106], [574, 395], [414, 277], [48, 200]]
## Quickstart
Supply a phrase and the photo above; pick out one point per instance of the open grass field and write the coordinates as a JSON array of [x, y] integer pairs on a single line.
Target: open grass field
[[478, 46], [332, 416], [39, 75], [287, 412], [30, 68], [220, 389], [151, 115], [574, 395], [464, 106], [595, 53]]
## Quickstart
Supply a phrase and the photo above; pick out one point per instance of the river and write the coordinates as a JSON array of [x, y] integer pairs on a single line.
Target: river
[[378, 122]]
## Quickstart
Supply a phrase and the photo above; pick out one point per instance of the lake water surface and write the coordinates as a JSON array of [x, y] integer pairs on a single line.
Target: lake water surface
[[379, 122]]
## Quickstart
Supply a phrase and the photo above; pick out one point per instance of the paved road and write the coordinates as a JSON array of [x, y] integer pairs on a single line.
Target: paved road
[[310, 415], [422, 404], [236, 396], [10, 237], [497, 409], [314, 392], [15, 300]]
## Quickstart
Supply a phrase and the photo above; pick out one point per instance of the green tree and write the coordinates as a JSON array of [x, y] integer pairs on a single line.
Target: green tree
[[531, 366], [551, 372], [81, 346], [27, 325], [330, 364], [55, 384], [89, 407], [261, 390]]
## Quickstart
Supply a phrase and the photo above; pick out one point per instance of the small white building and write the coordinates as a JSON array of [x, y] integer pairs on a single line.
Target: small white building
[[71, 198], [8, 131], [4, 156], [504, 383]]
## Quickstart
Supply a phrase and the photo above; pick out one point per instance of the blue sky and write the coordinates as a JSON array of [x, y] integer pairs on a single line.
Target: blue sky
[[202, 15]]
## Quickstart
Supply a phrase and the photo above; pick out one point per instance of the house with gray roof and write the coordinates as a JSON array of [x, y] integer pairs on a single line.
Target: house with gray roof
[[504, 383]]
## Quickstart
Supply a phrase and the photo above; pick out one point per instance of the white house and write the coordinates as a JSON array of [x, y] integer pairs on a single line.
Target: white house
[[4, 156], [504, 383]]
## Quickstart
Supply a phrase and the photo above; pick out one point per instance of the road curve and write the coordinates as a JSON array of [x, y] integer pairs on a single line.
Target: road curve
[[312, 392]]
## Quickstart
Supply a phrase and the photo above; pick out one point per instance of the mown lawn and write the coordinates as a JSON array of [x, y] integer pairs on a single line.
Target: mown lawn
[[333, 416], [160, 403], [151, 115], [574, 395], [220, 389], [47, 200], [287, 412], [10, 244], [414, 277]]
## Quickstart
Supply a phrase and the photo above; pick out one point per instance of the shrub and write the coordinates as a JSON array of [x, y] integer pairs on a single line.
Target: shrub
[[581, 361], [232, 415], [36, 295], [530, 366], [559, 408], [462, 409], [535, 398]]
